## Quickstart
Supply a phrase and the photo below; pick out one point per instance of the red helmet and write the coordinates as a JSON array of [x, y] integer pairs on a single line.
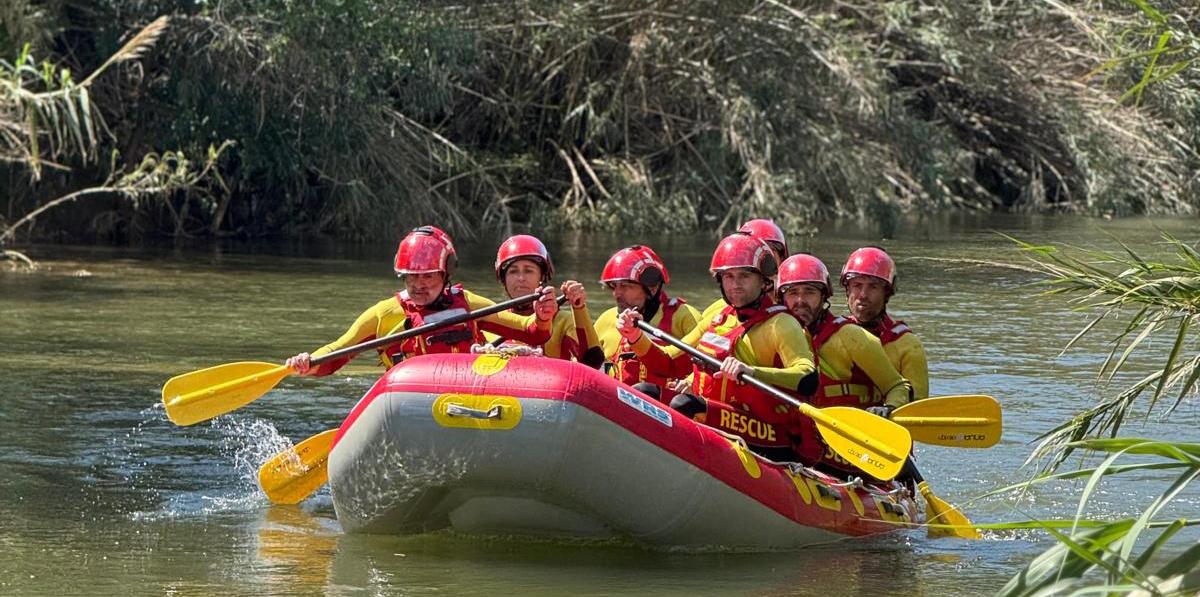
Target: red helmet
[[803, 268], [871, 261], [425, 250], [523, 246], [638, 264], [743, 250], [768, 231]]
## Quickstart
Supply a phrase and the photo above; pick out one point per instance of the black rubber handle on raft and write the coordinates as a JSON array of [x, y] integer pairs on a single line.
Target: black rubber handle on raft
[[429, 327], [714, 363]]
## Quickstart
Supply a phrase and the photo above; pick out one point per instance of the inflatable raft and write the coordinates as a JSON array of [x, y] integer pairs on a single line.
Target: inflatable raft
[[489, 444]]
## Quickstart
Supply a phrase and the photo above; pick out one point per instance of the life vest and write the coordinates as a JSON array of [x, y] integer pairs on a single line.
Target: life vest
[[724, 331], [857, 390], [630, 370], [453, 338], [568, 348]]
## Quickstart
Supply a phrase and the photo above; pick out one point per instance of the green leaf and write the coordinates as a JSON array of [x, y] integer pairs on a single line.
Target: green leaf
[[1183, 563], [1159, 541], [1087, 328], [1188, 384], [1170, 364]]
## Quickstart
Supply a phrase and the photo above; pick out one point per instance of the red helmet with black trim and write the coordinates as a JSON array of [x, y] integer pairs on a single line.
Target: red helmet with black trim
[[743, 250], [803, 268], [425, 250], [523, 246], [639, 264], [870, 261], [768, 231]]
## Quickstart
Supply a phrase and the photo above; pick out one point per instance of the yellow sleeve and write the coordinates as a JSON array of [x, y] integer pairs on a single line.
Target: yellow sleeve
[[686, 319], [523, 328], [562, 335], [908, 356], [781, 336], [366, 327], [660, 358], [583, 322], [866, 352], [590, 351], [606, 332]]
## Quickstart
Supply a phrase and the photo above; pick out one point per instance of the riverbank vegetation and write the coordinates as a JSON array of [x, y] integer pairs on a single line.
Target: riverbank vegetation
[[1152, 300], [358, 117]]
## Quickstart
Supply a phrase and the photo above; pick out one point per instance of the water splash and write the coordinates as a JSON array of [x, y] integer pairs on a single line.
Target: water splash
[[212, 470]]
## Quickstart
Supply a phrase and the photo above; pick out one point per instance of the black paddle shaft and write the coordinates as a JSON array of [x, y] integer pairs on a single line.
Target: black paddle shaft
[[429, 327], [713, 363]]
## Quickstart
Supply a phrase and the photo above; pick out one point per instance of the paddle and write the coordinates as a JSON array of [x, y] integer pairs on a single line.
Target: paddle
[[938, 511], [294, 474], [201, 395], [971, 421], [876, 445]]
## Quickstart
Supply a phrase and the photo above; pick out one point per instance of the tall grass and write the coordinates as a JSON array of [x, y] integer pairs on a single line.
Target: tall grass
[[358, 117], [1152, 298], [1139, 555], [49, 121]]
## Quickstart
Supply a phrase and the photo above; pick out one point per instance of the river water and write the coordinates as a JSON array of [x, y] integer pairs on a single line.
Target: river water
[[100, 494]]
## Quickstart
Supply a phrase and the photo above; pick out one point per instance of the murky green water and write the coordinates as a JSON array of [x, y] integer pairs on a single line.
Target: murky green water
[[100, 494]]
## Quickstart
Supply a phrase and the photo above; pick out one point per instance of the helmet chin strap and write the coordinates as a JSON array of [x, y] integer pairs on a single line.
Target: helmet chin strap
[[816, 322], [653, 301], [877, 321], [525, 309], [443, 298]]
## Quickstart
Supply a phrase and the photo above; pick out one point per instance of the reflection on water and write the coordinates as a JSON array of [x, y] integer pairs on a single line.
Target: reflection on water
[[100, 494], [296, 547]]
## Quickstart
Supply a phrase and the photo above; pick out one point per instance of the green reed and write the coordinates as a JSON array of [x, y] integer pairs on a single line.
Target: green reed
[[1149, 298]]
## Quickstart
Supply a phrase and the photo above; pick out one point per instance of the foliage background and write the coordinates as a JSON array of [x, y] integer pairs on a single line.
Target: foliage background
[[355, 118]]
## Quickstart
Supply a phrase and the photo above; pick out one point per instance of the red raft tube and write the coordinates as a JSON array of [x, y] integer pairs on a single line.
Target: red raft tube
[[493, 444]]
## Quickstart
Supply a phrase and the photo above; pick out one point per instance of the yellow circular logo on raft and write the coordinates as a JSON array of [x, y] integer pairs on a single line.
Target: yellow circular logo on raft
[[489, 364]]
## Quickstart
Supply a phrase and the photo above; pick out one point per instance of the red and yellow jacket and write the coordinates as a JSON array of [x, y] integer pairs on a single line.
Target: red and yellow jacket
[[396, 314], [854, 370], [905, 351], [674, 316], [572, 337], [764, 337]]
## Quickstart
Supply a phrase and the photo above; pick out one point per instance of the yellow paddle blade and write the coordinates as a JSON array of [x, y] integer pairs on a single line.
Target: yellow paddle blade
[[292, 475], [201, 395], [940, 512], [876, 445], [957, 421]]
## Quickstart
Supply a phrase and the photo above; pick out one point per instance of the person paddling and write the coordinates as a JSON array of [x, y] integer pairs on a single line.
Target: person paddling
[[852, 367], [425, 261], [523, 264], [869, 278], [637, 278], [748, 333]]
